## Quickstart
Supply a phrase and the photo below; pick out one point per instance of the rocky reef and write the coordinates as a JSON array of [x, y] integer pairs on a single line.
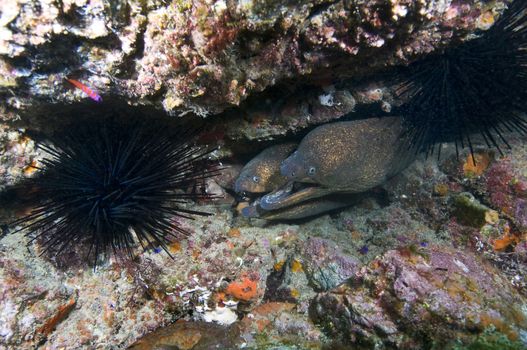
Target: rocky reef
[[403, 268], [416, 298], [203, 57], [434, 258]]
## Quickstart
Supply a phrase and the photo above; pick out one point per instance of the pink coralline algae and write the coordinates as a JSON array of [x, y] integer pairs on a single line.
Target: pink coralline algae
[[521, 213], [326, 265], [507, 190], [434, 291]]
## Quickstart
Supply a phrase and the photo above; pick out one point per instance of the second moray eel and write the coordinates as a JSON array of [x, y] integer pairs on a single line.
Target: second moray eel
[[303, 209], [262, 173], [342, 157]]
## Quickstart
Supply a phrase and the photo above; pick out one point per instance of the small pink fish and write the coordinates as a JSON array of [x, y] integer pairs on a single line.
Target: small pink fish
[[92, 94]]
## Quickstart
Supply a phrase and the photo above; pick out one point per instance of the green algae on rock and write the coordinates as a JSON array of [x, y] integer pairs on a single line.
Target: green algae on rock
[[470, 212]]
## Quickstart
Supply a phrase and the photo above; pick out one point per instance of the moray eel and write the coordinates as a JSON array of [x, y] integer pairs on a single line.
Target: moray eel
[[350, 156], [262, 173]]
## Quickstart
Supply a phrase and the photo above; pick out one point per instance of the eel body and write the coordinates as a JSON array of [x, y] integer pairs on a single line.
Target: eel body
[[350, 156]]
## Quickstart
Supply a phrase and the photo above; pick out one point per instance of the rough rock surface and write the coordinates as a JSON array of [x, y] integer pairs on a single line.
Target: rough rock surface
[[404, 258], [326, 266], [411, 299], [205, 56], [439, 254]]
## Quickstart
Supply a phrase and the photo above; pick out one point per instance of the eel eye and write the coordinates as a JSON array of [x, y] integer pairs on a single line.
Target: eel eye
[[312, 170], [256, 179]]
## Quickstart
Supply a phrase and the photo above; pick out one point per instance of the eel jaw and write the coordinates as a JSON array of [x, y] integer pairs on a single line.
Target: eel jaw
[[251, 211], [284, 197], [272, 200]]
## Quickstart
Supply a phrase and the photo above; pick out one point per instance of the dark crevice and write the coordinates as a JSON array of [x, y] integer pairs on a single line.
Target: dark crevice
[[119, 12], [127, 70], [49, 119], [319, 8], [56, 56]]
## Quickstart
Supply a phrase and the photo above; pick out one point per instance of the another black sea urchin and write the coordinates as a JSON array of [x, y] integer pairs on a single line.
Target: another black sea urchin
[[112, 185], [479, 86]]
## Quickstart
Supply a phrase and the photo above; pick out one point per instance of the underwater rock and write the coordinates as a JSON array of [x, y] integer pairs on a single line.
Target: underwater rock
[[269, 326], [221, 184], [187, 336], [201, 58], [270, 68], [290, 112], [470, 212], [505, 185], [18, 156], [409, 298], [491, 193], [122, 300], [277, 325], [135, 299], [326, 266]]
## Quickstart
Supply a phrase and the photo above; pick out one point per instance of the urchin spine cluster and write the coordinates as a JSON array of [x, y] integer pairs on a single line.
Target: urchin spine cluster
[[479, 86], [114, 185]]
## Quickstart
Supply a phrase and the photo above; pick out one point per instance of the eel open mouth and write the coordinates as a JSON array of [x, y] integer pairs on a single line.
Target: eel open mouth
[[285, 196], [272, 200]]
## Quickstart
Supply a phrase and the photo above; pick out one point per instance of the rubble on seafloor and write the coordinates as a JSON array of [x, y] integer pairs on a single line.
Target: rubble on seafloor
[[434, 259]]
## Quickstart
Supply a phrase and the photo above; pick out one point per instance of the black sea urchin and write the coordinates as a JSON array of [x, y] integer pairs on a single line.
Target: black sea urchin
[[107, 183], [479, 86]]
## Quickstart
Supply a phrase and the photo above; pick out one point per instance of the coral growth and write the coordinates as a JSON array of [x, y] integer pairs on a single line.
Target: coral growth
[[246, 289]]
